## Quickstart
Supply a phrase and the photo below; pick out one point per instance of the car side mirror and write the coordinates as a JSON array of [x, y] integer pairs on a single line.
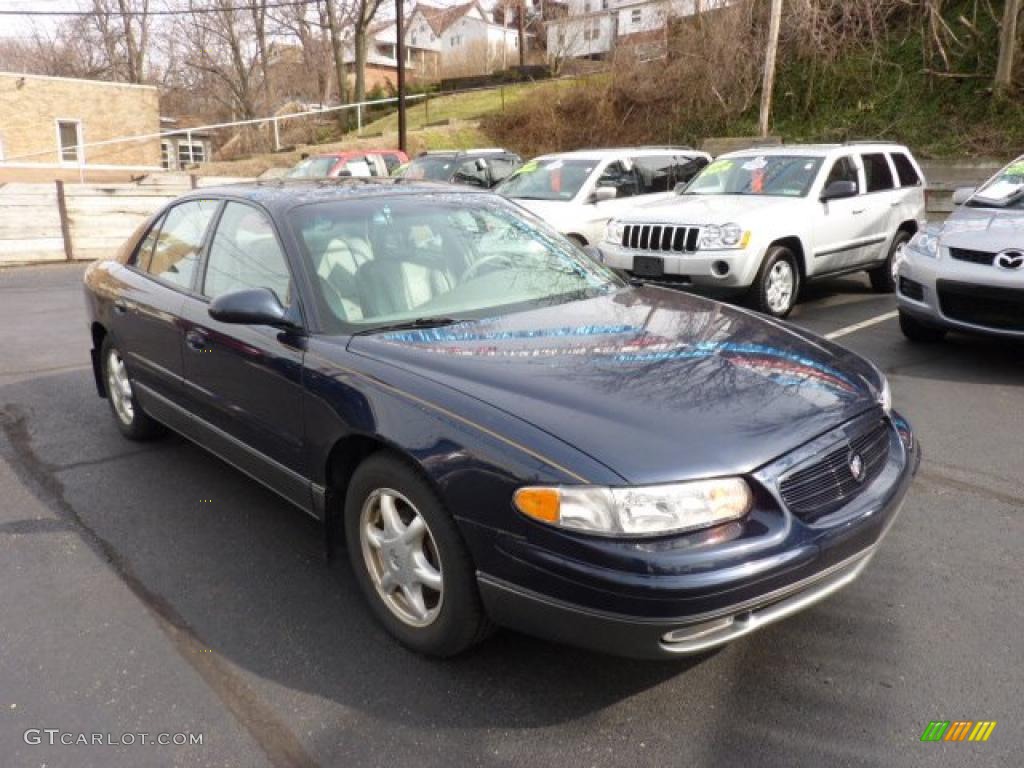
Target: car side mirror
[[604, 193], [962, 194], [838, 190], [481, 164], [250, 306]]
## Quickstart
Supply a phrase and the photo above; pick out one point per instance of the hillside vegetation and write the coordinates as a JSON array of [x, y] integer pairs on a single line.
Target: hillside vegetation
[[847, 69]]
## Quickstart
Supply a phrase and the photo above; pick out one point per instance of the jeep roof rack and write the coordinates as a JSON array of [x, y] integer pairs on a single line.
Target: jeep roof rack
[[457, 152]]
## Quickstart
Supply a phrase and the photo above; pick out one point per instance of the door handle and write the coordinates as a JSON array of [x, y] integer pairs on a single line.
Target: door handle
[[120, 306], [197, 340], [857, 211], [894, 205]]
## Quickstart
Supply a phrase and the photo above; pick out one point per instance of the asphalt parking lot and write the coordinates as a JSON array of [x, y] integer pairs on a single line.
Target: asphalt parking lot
[[152, 588]]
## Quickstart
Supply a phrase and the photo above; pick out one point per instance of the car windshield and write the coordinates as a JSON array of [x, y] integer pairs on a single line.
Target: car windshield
[[388, 260], [430, 168], [312, 168], [771, 175], [548, 178], [1006, 190]]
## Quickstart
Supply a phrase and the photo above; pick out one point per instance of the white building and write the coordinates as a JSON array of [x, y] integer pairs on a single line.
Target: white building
[[593, 28], [458, 40]]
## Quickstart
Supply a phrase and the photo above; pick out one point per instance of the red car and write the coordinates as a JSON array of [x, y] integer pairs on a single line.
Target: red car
[[353, 162]]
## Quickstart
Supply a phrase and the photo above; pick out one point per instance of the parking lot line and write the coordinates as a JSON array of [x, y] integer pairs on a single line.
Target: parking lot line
[[863, 324]]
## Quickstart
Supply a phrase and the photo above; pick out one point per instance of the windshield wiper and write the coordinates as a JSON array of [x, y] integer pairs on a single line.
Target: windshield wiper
[[410, 325]]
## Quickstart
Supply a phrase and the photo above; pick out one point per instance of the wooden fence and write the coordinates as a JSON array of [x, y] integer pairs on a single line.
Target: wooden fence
[[59, 222]]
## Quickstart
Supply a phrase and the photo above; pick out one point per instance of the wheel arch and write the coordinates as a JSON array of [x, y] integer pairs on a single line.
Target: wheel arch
[[99, 333], [796, 246]]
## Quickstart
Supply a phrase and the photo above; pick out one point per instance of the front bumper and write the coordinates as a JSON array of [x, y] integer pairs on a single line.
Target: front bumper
[[917, 291], [659, 608], [711, 271]]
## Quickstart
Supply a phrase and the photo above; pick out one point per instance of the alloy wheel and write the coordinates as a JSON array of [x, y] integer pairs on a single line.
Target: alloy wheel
[[119, 388], [779, 290], [401, 557]]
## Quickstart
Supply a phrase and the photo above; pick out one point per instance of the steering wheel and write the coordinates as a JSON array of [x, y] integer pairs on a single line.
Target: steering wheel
[[477, 266]]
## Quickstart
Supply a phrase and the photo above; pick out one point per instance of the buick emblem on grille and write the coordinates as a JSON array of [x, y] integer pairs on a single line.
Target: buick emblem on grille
[[1010, 259], [857, 467]]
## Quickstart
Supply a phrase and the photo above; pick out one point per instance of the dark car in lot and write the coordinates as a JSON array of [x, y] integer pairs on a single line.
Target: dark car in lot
[[484, 168], [497, 429]]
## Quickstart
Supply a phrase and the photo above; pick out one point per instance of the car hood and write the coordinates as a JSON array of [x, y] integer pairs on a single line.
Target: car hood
[[710, 209], [983, 229], [655, 384]]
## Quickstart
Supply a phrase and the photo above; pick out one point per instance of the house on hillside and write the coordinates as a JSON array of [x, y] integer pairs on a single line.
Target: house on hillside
[[595, 28], [454, 41], [184, 143], [58, 128]]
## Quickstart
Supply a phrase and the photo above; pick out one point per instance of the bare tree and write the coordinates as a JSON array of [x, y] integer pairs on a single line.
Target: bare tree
[[259, 26], [337, 48], [365, 13], [123, 29], [311, 32], [1007, 45]]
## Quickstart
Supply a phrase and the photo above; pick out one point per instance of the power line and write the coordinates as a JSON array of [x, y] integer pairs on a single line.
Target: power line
[[179, 12]]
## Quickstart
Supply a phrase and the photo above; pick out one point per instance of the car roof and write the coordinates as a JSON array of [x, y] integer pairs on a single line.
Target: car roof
[[816, 150], [464, 153], [617, 152], [282, 194], [350, 152]]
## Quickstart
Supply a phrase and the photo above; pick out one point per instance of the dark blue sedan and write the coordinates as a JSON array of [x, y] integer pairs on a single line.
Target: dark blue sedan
[[497, 429]]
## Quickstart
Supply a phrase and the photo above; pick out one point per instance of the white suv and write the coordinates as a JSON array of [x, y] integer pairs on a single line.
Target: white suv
[[578, 192], [764, 221]]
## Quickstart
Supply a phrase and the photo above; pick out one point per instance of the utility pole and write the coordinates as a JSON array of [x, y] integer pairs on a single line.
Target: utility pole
[[1007, 46], [769, 67], [400, 59]]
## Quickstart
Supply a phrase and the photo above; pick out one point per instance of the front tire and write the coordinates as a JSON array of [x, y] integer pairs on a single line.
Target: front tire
[[882, 278], [410, 561], [918, 332], [131, 420], [777, 284]]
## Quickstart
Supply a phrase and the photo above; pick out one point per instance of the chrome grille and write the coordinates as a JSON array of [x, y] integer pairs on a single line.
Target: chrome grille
[[660, 237], [828, 484]]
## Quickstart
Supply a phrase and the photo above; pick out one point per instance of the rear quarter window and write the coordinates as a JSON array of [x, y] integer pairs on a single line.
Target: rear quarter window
[[905, 170]]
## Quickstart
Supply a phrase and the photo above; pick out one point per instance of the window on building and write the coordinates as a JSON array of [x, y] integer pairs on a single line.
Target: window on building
[[877, 174], [190, 153], [412, 39], [181, 237], [586, 7], [69, 138], [604, 5], [635, 16], [245, 253], [166, 156]]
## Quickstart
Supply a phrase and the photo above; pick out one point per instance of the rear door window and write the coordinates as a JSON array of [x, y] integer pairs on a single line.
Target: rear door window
[[501, 168], [144, 251], [177, 247], [877, 174], [905, 170], [472, 172], [655, 173]]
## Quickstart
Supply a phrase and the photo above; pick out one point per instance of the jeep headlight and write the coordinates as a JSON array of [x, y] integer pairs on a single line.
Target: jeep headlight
[[723, 236], [613, 231], [653, 510]]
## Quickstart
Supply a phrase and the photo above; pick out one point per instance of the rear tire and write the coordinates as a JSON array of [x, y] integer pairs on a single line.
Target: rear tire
[[777, 285], [918, 332], [410, 561], [133, 422], [882, 278]]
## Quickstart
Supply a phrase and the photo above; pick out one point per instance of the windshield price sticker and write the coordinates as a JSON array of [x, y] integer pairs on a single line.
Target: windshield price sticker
[[756, 164]]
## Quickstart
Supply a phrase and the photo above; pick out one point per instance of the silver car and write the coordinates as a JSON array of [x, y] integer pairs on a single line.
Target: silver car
[[968, 273]]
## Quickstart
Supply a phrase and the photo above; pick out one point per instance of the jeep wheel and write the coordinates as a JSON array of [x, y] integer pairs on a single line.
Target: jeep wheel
[[777, 284], [882, 278]]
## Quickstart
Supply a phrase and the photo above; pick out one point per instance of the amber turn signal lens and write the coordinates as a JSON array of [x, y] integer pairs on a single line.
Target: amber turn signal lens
[[538, 503]]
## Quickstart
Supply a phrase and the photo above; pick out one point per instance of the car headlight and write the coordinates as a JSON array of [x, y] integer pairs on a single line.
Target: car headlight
[[640, 511], [725, 236], [925, 243], [613, 231], [885, 396]]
